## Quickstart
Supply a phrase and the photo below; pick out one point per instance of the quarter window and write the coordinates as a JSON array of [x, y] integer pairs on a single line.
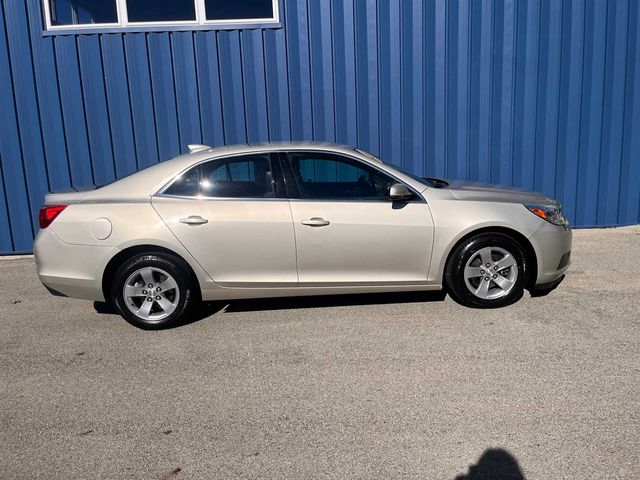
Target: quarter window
[[62, 15], [237, 177], [325, 176]]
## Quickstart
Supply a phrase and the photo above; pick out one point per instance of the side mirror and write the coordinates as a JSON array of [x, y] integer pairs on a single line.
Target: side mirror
[[399, 191]]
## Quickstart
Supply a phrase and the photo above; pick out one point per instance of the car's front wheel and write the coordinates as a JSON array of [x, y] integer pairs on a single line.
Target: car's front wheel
[[487, 270], [153, 291]]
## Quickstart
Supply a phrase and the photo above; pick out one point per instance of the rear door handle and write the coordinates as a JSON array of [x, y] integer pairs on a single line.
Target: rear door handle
[[316, 222], [193, 220]]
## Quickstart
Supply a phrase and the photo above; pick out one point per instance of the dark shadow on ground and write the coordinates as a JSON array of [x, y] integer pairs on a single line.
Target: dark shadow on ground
[[200, 312], [323, 301], [494, 464], [104, 308], [206, 309]]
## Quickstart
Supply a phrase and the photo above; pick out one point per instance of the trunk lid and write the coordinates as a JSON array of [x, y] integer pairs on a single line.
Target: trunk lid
[[67, 196]]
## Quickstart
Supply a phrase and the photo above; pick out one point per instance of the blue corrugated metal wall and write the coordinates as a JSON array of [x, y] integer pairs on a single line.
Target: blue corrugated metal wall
[[538, 94]]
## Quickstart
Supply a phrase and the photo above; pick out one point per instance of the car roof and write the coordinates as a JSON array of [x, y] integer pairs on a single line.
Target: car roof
[[144, 183]]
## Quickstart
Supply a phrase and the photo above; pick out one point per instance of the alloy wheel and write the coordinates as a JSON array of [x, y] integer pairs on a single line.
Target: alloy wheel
[[151, 294], [491, 273]]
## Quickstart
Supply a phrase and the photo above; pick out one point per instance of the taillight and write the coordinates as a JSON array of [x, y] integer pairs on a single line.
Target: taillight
[[48, 214]]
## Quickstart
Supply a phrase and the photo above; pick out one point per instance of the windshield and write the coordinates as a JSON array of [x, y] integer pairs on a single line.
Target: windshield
[[427, 182]]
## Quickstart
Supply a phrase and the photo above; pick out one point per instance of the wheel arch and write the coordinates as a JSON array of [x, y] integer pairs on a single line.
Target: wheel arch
[[526, 245], [124, 255]]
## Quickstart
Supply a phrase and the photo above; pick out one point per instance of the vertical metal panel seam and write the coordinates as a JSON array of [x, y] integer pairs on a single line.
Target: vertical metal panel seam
[[624, 114], [333, 71], [355, 64], [181, 145], [59, 96], [195, 62], [558, 120], [266, 83], [84, 109], [379, 75], [467, 166], [5, 199], [445, 86], [494, 25], [580, 114], [151, 97], [104, 87], [44, 150], [224, 130], [602, 110], [242, 83], [310, 60], [15, 114], [286, 61], [35, 87], [133, 124], [514, 76], [535, 102]]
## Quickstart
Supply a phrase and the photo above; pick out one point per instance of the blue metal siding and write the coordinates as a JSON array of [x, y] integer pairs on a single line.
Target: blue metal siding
[[537, 94]]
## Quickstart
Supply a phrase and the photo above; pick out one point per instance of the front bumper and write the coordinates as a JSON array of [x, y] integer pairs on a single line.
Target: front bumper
[[552, 245], [71, 270]]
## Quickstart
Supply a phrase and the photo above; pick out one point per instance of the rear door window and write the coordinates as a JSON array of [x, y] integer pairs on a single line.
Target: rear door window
[[246, 176]]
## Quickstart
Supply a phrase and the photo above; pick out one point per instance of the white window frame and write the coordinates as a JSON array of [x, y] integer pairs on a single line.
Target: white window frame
[[123, 24]]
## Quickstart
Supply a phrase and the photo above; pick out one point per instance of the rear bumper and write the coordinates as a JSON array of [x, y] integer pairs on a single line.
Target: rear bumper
[[553, 251], [71, 270]]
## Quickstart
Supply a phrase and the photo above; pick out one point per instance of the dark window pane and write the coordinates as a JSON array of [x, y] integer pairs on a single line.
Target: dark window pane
[[238, 9], [332, 177], [161, 10], [187, 184], [79, 12], [238, 177]]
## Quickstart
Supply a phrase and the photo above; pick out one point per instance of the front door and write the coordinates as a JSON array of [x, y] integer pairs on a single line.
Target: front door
[[347, 230], [232, 215]]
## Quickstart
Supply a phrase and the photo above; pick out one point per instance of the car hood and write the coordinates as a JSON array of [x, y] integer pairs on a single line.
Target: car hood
[[495, 193]]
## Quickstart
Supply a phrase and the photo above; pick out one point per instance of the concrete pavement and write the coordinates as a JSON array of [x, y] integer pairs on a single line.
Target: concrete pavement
[[382, 386]]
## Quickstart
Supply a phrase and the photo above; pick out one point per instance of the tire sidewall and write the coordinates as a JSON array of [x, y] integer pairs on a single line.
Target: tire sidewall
[[165, 262], [454, 273]]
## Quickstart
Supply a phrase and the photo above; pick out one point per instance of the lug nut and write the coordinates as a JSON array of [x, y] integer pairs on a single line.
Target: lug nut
[[158, 289], [150, 285], [495, 268], [481, 272], [495, 276], [158, 297], [486, 279], [144, 292], [149, 299]]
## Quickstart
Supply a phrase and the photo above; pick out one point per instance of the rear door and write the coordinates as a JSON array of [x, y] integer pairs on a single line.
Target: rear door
[[233, 216], [347, 230]]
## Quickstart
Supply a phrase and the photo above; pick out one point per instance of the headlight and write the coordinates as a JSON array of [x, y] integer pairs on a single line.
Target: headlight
[[550, 213]]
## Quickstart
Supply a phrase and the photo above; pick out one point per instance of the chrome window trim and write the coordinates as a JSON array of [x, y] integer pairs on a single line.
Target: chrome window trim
[[160, 191], [225, 199]]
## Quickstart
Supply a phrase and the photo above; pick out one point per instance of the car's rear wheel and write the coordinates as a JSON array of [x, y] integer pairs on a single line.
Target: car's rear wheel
[[487, 270], [153, 291]]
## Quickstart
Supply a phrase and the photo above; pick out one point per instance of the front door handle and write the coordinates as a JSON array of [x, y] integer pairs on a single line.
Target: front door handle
[[193, 220], [316, 222]]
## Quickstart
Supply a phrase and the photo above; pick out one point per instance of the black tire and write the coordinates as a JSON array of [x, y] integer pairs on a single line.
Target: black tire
[[158, 261], [455, 268]]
